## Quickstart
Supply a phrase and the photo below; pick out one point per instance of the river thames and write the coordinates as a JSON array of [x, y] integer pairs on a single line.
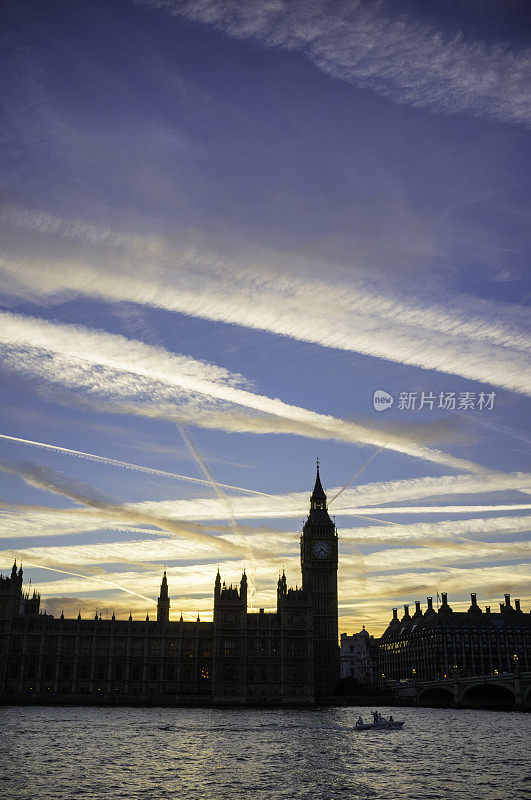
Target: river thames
[[62, 753]]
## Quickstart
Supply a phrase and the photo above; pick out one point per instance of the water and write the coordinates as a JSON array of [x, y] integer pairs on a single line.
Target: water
[[49, 753]]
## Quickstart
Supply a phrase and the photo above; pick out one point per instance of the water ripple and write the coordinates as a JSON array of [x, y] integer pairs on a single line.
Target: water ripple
[[274, 754]]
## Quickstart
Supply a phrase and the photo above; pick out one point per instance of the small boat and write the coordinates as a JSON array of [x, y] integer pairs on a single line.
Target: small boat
[[382, 725]]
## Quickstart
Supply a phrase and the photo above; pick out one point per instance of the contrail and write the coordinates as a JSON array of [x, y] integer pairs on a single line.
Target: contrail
[[45, 478], [124, 464], [437, 510], [196, 455], [356, 474], [89, 578]]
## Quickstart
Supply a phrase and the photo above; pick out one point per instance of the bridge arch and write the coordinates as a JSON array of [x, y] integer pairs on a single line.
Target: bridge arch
[[488, 695], [438, 696]]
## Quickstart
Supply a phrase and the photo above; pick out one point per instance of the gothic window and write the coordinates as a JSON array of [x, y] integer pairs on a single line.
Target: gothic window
[[229, 648]]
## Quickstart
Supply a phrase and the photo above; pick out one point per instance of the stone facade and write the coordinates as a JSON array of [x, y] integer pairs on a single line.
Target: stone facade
[[358, 657]]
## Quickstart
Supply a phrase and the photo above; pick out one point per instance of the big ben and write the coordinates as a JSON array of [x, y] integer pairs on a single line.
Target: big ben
[[319, 559]]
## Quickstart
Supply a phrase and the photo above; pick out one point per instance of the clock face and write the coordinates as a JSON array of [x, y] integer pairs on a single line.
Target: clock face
[[321, 549]]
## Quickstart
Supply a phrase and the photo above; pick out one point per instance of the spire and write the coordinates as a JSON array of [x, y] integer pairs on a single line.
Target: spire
[[318, 497], [243, 591], [163, 602], [318, 507]]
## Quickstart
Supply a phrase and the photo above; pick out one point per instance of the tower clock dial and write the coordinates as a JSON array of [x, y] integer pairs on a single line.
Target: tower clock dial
[[321, 549]]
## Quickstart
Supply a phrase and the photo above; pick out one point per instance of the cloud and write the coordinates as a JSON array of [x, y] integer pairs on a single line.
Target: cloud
[[437, 544], [45, 478], [25, 520], [364, 499], [191, 588], [374, 46], [254, 287], [151, 381], [433, 532]]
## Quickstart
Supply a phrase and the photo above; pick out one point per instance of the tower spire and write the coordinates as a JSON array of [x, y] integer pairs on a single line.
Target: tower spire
[[163, 602], [318, 496]]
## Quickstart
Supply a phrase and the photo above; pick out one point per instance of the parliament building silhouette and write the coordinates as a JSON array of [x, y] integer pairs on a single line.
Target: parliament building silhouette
[[287, 656]]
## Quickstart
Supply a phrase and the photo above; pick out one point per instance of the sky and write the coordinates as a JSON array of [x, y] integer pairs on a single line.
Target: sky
[[240, 235]]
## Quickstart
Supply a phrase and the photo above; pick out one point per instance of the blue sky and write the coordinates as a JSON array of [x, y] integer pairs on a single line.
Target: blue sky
[[224, 226]]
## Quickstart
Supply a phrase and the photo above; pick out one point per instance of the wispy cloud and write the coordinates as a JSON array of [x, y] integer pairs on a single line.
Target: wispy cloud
[[477, 339], [23, 520], [430, 532], [364, 499], [437, 544], [48, 479], [373, 46], [151, 381]]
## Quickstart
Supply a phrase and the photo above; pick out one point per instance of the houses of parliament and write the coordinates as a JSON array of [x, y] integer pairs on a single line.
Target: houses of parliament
[[287, 656]]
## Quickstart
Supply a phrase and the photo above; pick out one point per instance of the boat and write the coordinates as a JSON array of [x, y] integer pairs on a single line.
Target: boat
[[382, 725]]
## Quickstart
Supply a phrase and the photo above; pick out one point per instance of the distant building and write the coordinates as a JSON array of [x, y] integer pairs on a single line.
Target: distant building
[[359, 657], [442, 643], [290, 655]]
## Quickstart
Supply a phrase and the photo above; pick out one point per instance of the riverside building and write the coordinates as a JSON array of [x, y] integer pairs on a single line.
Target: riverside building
[[443, 643], [288, 656]]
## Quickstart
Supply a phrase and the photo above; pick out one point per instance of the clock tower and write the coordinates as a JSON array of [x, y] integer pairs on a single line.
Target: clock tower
[[319, 579]]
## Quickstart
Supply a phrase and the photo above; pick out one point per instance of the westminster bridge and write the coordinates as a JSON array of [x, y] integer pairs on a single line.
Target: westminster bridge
[[506, 690]]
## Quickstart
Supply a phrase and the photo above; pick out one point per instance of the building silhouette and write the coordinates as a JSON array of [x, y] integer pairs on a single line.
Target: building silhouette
[[443, 643], [290, 655]]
